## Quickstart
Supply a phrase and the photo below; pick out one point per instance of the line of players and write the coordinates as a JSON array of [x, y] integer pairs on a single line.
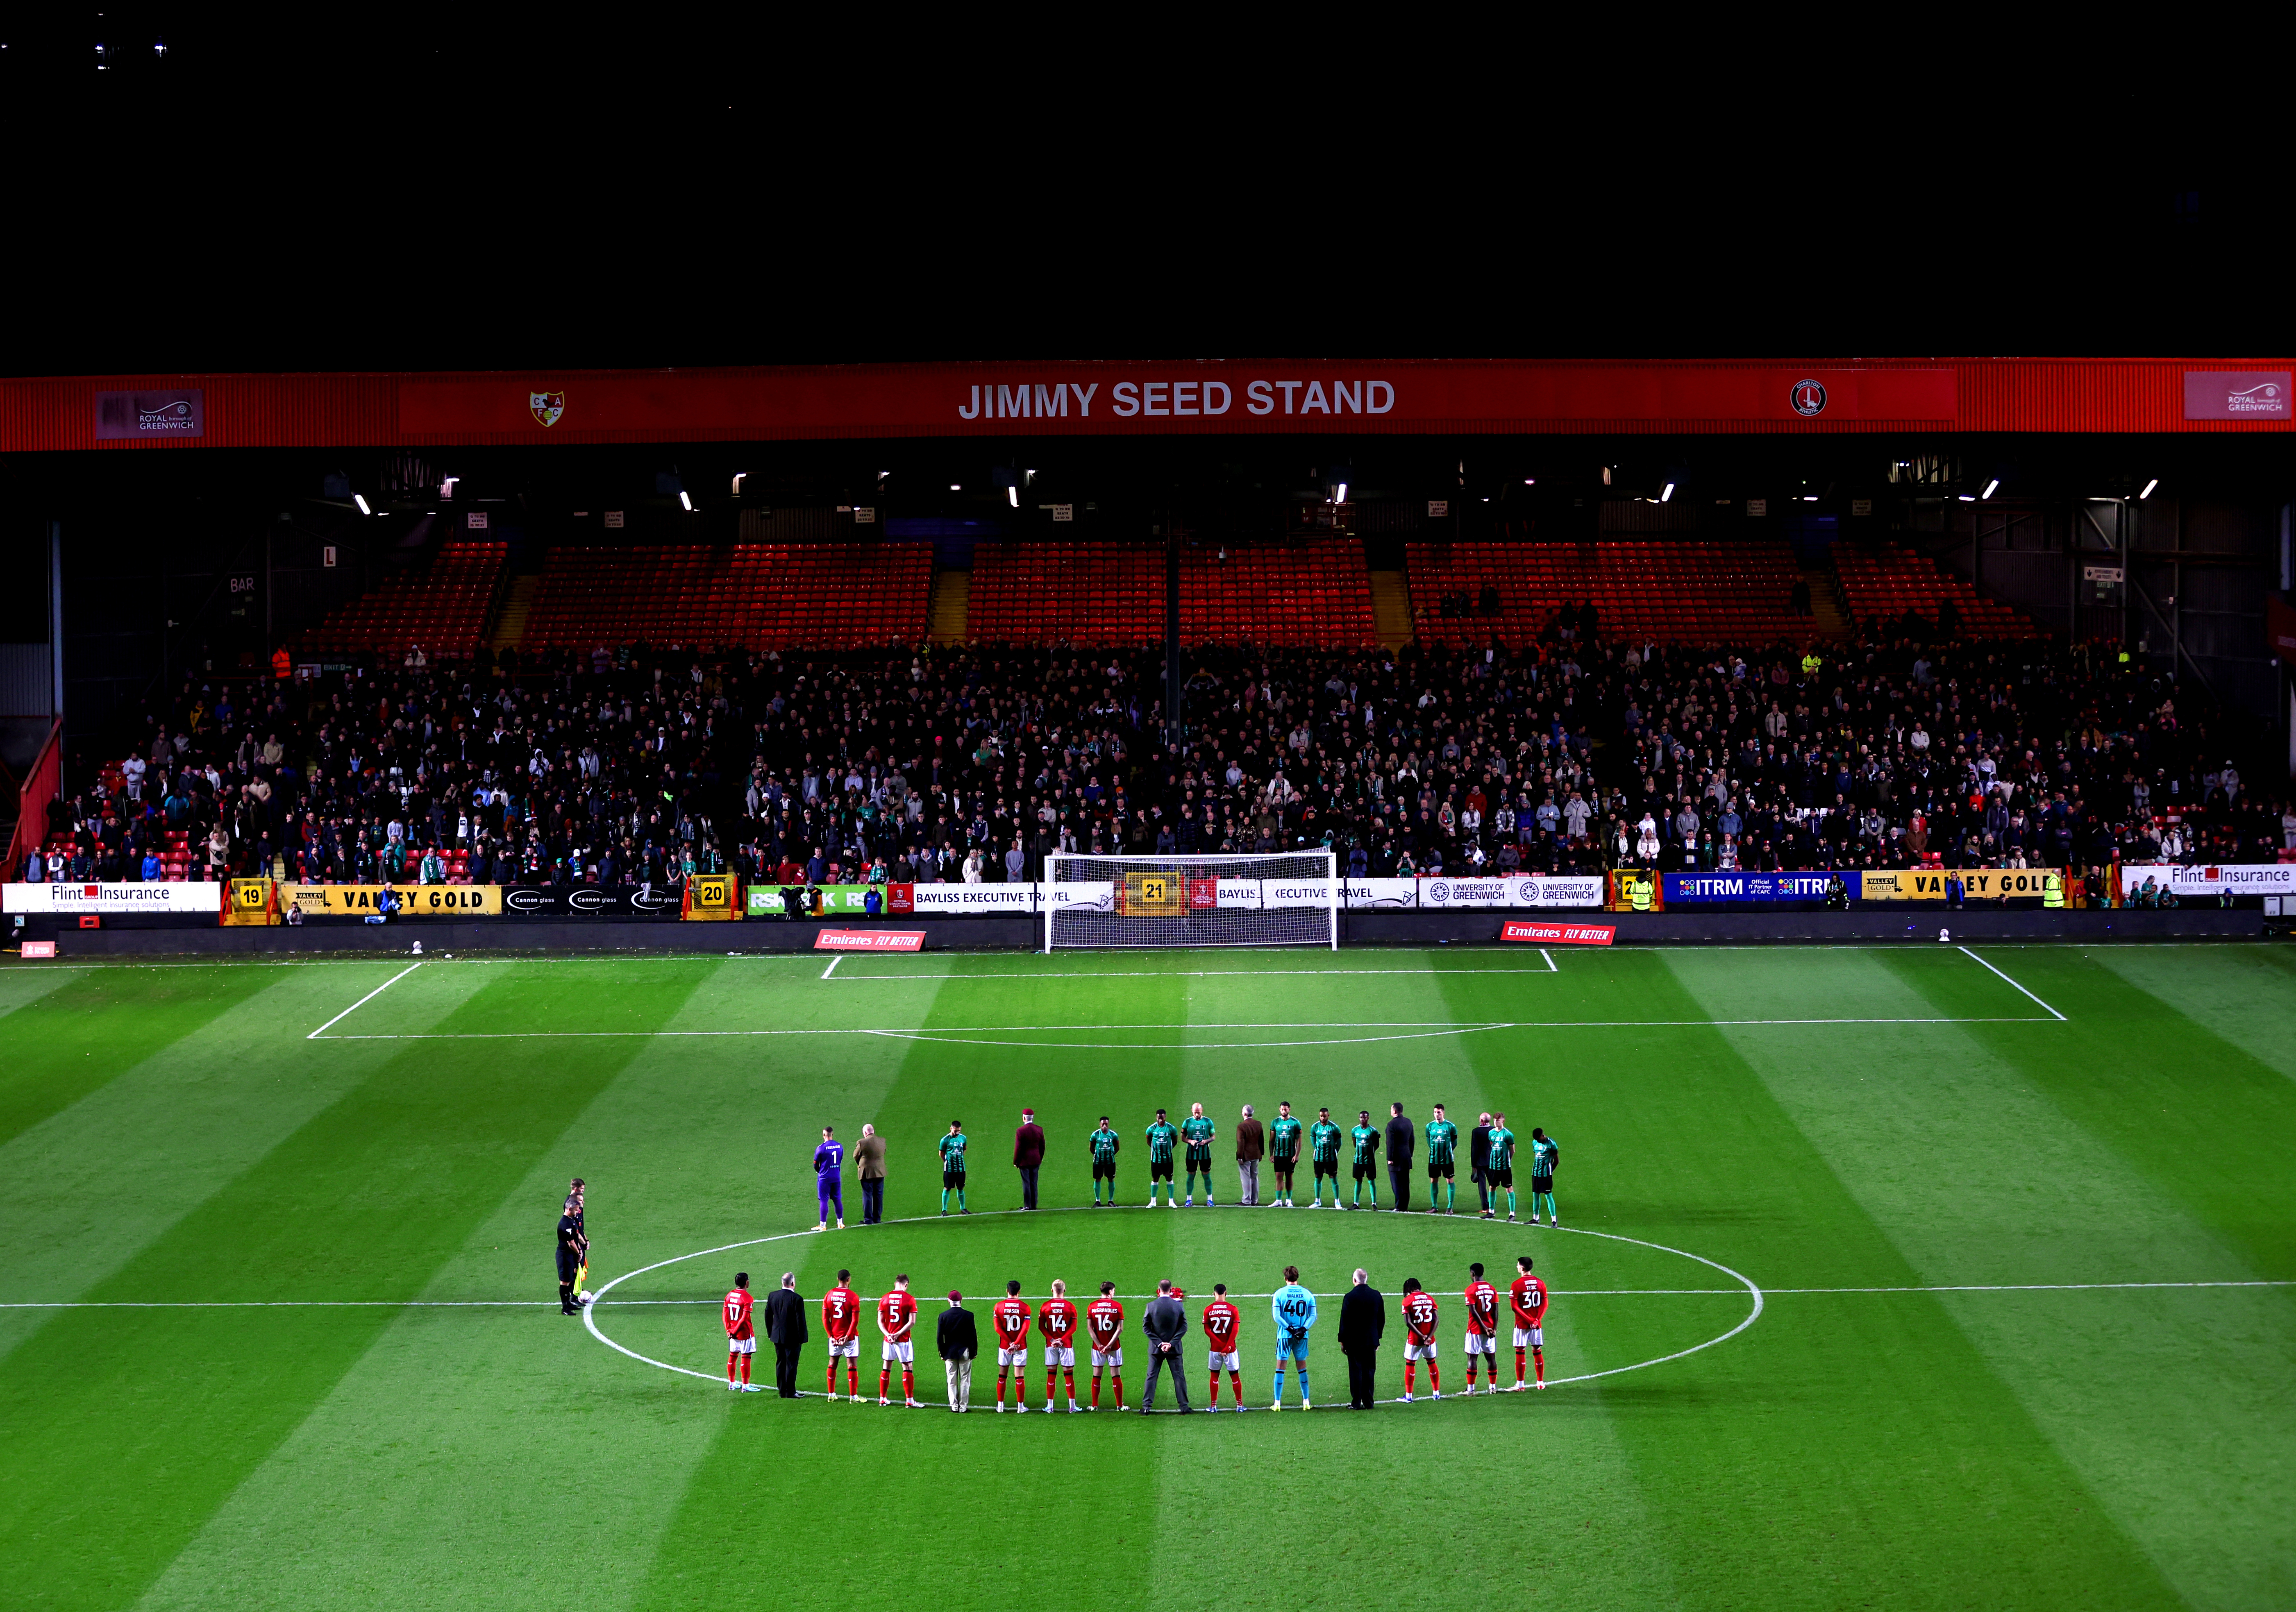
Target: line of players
[[1101, 1319]]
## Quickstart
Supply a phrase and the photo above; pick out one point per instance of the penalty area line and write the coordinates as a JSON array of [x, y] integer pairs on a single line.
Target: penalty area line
[[2012, 985], [363, 1001]]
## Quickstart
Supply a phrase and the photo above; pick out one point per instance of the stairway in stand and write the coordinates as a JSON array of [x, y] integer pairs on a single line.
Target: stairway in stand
[[952, 595], [1391, 609], [1826, 611], [518, 604]]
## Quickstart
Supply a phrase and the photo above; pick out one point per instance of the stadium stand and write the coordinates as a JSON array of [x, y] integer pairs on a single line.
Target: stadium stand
[[1882, 583], [1316, 591], [1100, 594], [443, 609], [747, 595], [1675, 591], [1562, 754]]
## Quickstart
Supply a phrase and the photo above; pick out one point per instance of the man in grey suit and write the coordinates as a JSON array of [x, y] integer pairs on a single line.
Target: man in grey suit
[[1165, 1325], [1363, 1319]]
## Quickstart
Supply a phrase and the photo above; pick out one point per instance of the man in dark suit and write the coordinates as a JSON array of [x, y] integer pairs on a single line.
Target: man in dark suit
[[785, 1325], [1363, 1319], [1029, 1155], [1165, 1325], [1479, 1160], [959, 1341], [1402, 1137]]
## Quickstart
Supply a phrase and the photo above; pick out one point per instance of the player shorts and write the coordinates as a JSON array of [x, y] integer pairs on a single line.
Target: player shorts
[[740, 1345], [1061, 1354], [1291, 1348], [1439, 1172], [1501, 1178], [952, 1181], [1284, 1167], [1161, 1171], [1200, 1163], [1530, 1337], [1419, 1351], [570, 1263], [1013, 1357], [1104, 1358], [903, 1351], [1327, 1166], [1365, 1171], [1543, 1183], [1226, 1362], [850, 1348], [1103, 1169], [1482, 1342]]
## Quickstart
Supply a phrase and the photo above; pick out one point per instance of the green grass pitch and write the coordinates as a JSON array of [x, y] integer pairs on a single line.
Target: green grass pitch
[[280, 1327]]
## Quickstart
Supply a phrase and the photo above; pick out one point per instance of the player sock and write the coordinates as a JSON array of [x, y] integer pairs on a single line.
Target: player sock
[[730, 1359], [1068, 1377], [1051, 1378], [1434, 1378], [1235, 1386], [1406, 1375], [852, 1380], [1000, 1390], [1518, 1365], [1538, 1362], [1279, 1387], [884, 1381], [960, 1200], [1215, 1391], [1096, 1390], [833, 1378], [944, 1200], [908, 1383], [1304, 1396], [745, 1368]]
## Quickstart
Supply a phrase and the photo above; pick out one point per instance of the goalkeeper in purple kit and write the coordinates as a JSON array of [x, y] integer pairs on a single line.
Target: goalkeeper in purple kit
[[828, 1178]]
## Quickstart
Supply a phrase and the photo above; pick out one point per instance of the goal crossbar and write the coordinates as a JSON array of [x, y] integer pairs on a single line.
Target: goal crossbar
[[1281, 899]]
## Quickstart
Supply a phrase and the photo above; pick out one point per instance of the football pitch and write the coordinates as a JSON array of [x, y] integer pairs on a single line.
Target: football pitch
[[1887, 1277]]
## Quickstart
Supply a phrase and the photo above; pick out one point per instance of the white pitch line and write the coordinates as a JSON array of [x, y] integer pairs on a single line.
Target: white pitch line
[[530, 1304], [911, 1033], [2028, 995], [831, 968], [1018, 977], [363, 1001], [1550, 969]]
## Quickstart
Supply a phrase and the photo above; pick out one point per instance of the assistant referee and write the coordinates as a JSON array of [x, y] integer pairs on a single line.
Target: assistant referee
[[570, 1257]]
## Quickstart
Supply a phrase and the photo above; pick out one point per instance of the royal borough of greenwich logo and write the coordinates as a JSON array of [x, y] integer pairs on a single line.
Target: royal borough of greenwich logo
[[1808, 397], [546, 406]]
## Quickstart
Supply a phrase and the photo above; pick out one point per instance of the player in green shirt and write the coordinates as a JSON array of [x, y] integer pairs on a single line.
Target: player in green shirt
[[1104, 1145], [1442, 1148], [1543, 1156], [1365, 1137], [1198, 1131], [1163, 1136], [1283, 1152], [952, 1166], [1323, 1147], [1500, 1172]]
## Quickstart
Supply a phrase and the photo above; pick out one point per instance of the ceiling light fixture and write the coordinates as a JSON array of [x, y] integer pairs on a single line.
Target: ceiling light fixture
[[2149, 486], [360, 500], [684, 499], [1991, 487]]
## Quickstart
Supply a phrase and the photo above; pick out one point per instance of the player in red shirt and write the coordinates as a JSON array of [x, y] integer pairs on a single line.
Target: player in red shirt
[[840, 1319], [1419, 1337], [1103, 1323], [1529, 1296], [741, 1336], [1010, 1317], [897, 1317], [1482, 1326], [1057, 1321], [1220, 1321]]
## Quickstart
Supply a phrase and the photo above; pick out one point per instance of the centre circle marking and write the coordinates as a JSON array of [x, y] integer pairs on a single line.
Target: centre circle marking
[[590, 1310]]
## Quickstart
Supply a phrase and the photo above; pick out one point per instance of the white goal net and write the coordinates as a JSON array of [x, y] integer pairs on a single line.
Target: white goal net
[[1289, 900]]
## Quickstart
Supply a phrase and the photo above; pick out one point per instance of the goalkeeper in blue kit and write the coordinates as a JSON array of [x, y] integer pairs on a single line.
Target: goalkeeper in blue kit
[[1295, 1314]]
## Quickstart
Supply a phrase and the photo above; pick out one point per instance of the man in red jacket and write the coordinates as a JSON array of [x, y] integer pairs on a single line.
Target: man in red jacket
[[1029, 1155]]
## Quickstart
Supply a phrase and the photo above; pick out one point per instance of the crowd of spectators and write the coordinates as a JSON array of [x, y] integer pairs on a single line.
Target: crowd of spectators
[[640, 766]]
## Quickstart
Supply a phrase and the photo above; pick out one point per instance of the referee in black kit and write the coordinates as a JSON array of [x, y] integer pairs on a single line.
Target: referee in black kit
[[573, 1248]]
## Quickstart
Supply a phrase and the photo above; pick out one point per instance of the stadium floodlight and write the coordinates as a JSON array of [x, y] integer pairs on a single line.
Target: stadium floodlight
[[1340, 495], [684, 499], [738, 477], [956, 486], [1666, 492], [1530, 481], [1013, 496], [1991, 487], [1288, 898], [360, 500], [447, 486], [1967, 497], [2149, 486]]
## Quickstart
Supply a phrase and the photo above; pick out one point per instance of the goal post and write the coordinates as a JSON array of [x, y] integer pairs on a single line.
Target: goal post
[[1285, 899]]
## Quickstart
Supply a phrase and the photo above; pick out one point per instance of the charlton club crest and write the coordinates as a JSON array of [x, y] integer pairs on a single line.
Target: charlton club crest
[[1808, 398], [546, 406]]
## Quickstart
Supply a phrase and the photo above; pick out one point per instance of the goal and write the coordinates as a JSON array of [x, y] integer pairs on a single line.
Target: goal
[[1290, 899]]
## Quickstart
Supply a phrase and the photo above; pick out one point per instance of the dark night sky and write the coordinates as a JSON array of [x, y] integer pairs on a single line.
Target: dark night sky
[[438, 196]]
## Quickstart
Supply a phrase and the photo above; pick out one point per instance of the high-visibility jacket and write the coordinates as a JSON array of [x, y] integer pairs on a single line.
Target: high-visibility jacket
[[1638, 892], [2052, 890]]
